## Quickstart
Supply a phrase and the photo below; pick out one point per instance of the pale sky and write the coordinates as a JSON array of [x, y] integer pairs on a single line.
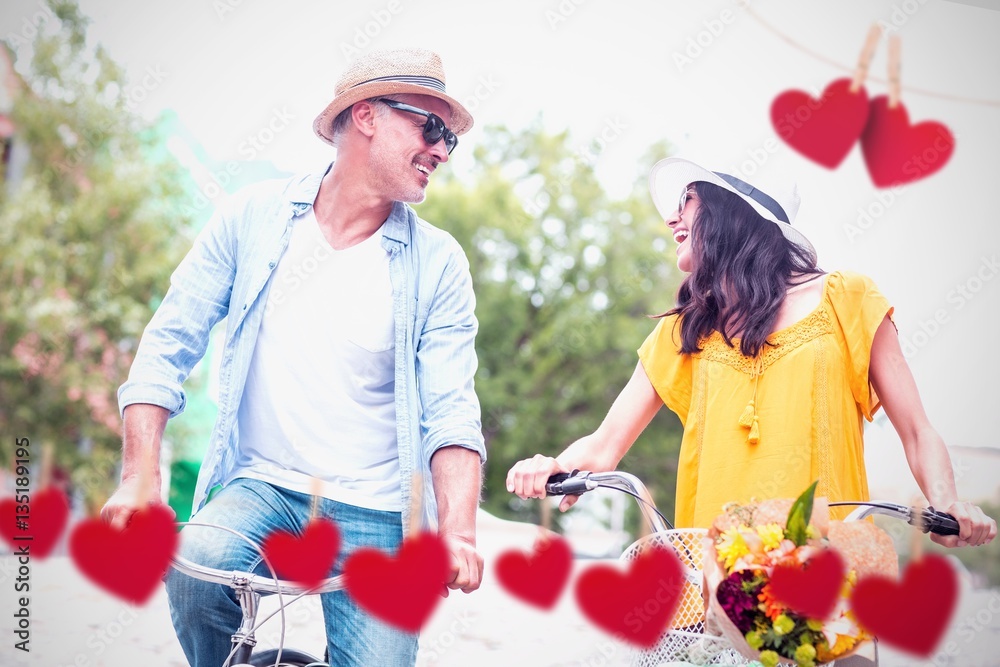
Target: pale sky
[[699, 74]]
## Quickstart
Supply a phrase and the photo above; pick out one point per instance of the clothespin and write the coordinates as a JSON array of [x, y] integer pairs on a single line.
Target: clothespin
[[545, 523], [316, 489], [45, 474], [416, 504], [867, 51], [894, 68], [145, 494]]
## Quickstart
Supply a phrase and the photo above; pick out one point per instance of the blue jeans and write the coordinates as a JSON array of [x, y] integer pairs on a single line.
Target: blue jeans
[[206, 615]]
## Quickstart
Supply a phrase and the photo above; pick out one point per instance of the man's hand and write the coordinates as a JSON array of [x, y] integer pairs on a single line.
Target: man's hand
[[466, 564], [140, 486], [457, 476], [132, 495]]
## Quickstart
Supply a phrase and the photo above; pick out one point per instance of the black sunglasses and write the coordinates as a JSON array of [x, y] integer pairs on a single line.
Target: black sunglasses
[[434, 129]]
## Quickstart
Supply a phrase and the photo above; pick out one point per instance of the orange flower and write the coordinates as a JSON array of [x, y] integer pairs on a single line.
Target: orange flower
[[772, 608]]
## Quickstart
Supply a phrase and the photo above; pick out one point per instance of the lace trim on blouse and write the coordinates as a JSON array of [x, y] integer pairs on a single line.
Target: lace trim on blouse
[[813, 326], [714, 348]]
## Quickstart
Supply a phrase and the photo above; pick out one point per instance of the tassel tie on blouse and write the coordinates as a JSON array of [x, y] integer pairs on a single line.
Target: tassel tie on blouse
[[749, 417]]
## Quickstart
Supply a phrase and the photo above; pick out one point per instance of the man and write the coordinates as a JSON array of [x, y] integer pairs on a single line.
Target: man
[[349, 358]]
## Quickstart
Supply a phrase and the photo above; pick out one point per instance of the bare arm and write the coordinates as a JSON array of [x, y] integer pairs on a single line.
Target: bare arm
[[140, 484], [630, 414], [457, 475], [925, 451]]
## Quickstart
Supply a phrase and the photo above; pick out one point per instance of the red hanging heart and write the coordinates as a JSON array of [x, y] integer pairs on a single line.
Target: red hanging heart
[[401, 591], [306, 560], [912, 614], [823, 130], [46, 513], [812, 589], [539, 577], [896, 152], [636, 605], [128, 563]]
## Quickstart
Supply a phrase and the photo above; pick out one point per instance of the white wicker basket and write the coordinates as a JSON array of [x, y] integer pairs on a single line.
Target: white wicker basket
[[684, 641]]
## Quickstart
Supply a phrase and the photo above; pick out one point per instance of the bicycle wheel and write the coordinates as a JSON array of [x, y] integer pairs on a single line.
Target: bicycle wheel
[[289, 658]]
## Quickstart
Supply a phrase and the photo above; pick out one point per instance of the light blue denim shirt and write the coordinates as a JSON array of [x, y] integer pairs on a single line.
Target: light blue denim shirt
[[227, 274]]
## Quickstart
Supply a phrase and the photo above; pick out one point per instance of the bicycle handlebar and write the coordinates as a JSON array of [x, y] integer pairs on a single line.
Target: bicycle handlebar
[[927, 519], [579, 482], [236, 578], [247, 581]]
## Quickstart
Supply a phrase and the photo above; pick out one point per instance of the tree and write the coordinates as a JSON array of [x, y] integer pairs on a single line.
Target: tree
[[90, 234], [565, 280]]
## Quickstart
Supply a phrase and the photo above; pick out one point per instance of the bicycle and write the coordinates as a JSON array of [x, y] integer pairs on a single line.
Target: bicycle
[[248, 587], [686, 637]]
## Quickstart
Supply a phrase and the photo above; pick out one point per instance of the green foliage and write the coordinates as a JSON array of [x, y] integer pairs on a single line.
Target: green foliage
[[565, 280], [90, 233], [799, 516]]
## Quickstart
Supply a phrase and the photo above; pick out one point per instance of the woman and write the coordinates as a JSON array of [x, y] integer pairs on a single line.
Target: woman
[[770, 363]]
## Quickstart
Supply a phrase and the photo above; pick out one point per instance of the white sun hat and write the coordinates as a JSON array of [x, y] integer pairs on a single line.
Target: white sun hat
[[777, 202]]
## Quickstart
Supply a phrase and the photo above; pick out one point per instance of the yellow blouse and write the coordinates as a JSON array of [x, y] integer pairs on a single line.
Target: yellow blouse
[[812, 391]]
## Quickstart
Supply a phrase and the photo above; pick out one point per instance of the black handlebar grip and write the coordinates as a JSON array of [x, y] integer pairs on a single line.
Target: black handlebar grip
[[553, 487], [939, 523], [566, 484]]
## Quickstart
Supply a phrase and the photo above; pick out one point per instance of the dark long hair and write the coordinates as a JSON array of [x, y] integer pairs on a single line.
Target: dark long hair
[[743, 266]]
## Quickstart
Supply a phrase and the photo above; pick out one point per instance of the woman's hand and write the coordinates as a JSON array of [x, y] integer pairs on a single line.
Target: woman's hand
[[974, 527], [528, 477]]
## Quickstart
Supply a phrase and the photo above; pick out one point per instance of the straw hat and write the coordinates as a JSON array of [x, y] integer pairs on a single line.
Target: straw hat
[[777, 202], [389, 72]]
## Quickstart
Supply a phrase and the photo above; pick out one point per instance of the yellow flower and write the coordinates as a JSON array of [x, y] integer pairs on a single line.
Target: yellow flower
[[849, 581], [843, 644], [769, 658], [783, 625], [771, 535], [732, 546], [805, 654]]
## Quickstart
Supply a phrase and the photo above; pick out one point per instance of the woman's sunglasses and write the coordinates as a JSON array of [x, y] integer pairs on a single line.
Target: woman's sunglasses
[[685, 195], [434, 129]]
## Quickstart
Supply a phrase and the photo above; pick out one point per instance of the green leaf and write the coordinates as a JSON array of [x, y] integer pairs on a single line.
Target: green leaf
[[799, 515]]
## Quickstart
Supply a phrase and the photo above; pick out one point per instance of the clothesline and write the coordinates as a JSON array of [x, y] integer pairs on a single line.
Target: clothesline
[[837, 65]]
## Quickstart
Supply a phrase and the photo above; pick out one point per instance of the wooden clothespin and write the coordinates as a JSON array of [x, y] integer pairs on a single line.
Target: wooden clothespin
[[145, 495], [416, 504], [895, 87], [545, 522], [867, 51], [316, 489], [45, 474]]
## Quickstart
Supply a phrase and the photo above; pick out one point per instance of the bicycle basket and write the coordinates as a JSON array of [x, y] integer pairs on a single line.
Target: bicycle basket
[[685, 640]]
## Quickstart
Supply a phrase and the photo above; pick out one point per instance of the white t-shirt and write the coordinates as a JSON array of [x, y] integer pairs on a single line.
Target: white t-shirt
[[319, 397]]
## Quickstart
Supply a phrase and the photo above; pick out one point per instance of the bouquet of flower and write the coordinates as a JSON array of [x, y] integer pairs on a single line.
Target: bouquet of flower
[[745, 547]]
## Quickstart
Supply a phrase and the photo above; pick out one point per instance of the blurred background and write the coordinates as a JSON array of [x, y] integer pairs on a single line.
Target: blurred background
[[124, 125]]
